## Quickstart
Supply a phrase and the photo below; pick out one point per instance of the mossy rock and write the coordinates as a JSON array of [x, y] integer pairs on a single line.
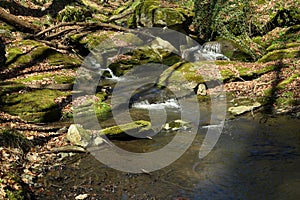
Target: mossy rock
[[187, 75], [92, 40], [286, 99], [227, 75], [5, 27], [233, 50], [167, 17], [150, 13], [58, 79], [74, 14], [35, 106], [280, 54], [283, 45], [85, 112], [38, 53], [137, 128]]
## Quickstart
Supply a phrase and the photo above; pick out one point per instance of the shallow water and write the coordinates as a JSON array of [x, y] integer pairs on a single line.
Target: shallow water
[[250, 161]]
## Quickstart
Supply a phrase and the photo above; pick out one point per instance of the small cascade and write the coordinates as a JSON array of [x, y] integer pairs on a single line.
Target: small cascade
[[95, 65], [212, 47], [212, 51], [112, 76], [208, 51], [171, 103]]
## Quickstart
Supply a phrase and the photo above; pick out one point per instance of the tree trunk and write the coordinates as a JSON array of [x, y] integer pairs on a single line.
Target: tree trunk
[[17, 22]]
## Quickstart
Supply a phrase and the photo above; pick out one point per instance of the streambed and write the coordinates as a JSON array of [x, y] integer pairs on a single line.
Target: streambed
[[251, 160]]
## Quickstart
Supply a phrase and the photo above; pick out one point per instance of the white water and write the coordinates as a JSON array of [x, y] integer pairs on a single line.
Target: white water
[[212, 51], [113, 77], [208, 51], [97, 65], [171, 103]]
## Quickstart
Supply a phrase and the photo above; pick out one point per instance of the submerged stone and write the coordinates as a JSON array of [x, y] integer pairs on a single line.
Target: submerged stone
[[238, 110], [137, 128]]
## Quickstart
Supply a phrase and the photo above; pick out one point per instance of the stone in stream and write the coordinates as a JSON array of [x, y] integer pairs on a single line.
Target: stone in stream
[[201, 90], [79, 136], [177, 125], [238, 110]]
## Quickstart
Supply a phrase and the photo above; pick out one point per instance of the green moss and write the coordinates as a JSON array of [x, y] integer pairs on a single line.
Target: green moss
[[146, 55], [85, 111], [265, 70], [280, 54], [6, 27], [283, 45], [94, 39], [37, 106], [74, 13], [59, 79], [243, 71], [227, 75], [118, 131], [286, 99], [185, 73], [38, 52], [287, 81], [14, 195], [14, 139], [101, 95], [9, 87], [167, 16]]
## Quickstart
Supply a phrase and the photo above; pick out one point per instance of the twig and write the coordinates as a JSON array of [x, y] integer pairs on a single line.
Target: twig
[[96, 24]]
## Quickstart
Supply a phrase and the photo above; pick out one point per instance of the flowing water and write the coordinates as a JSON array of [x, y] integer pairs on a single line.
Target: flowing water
[[251, 160]]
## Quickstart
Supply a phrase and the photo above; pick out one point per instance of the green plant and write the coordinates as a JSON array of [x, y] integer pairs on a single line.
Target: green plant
[[14, 139], [74, 13]]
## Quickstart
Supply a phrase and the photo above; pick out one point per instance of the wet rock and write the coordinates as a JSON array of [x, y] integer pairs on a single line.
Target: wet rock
[[138, 128], [177, 125], [78, 135], [201, 90], [238, 110]]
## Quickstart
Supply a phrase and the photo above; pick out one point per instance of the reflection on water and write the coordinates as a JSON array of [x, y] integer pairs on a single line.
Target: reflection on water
[[250, 161]]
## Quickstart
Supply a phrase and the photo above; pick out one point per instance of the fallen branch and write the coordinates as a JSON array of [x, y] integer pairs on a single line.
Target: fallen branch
[[17, 22], [87, 24], [66, 149]]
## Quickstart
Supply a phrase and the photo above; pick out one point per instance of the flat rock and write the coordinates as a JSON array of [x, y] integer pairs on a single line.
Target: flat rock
[[238, 110]]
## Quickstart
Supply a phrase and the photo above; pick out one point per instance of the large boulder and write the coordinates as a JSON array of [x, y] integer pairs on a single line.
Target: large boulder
[[187, 75], [150, 13]]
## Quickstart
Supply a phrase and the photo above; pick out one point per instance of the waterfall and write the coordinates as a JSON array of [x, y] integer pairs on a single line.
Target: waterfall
[[213, 47], [96, 65], [208, 51], [112, 76], [212, 51]]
